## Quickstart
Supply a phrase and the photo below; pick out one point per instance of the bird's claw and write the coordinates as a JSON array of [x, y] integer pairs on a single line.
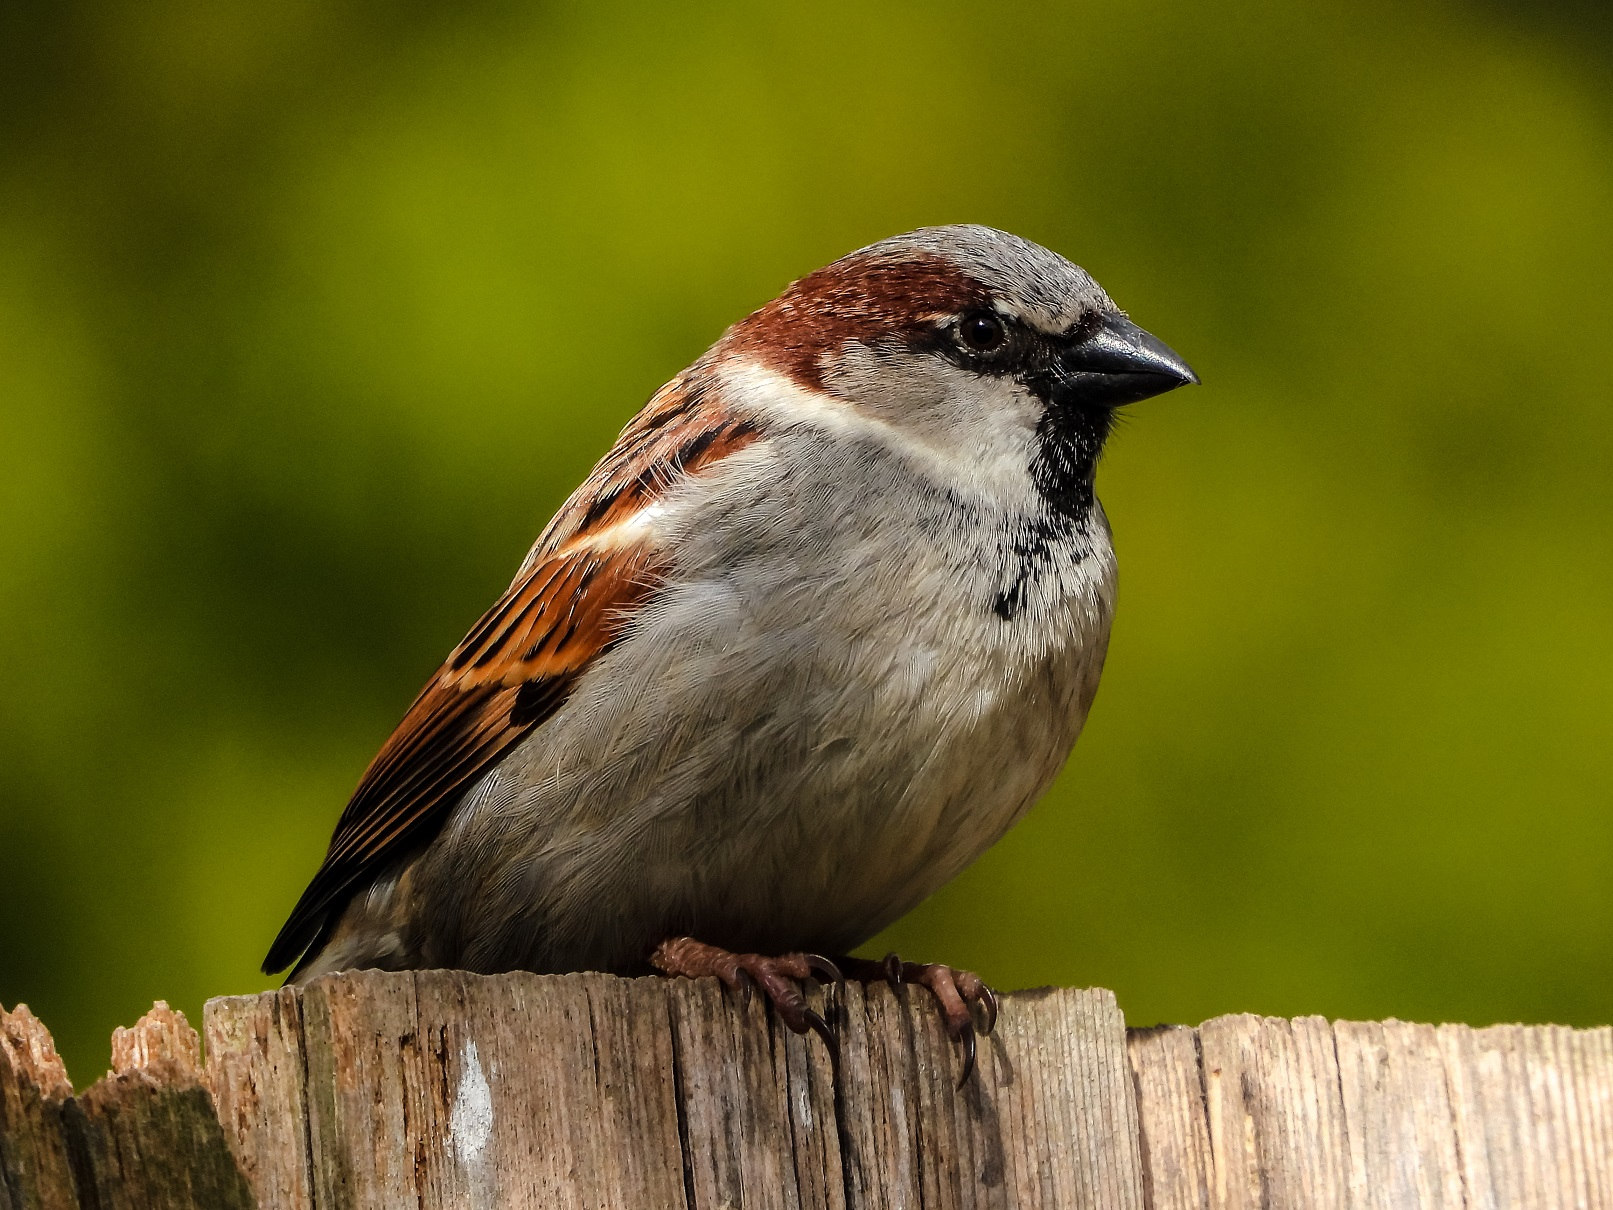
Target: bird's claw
[[967, 1040], [975, 991], [819, 1026], [823, 970], [778, 977], [958, 993]]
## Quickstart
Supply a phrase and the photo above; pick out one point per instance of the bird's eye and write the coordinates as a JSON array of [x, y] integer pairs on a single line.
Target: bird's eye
[[981, 332]]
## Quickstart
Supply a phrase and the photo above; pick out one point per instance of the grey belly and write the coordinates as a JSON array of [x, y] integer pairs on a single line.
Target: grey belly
[[770, 810]]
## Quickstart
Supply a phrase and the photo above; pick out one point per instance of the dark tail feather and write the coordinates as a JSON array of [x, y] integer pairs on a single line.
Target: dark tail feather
[[301, 937]]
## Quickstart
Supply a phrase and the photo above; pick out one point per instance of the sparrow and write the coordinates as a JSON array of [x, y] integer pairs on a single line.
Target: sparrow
[[820, 627]]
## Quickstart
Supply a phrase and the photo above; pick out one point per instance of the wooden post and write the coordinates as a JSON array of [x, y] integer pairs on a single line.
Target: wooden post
[[444, 1089]]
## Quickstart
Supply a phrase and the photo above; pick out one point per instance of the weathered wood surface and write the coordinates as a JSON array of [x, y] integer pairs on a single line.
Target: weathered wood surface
[[143, 1138], [445, 1089], [586, 1090], [1259, 1111]]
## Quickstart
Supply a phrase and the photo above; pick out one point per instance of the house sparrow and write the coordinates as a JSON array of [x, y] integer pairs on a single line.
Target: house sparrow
[[818, 629]]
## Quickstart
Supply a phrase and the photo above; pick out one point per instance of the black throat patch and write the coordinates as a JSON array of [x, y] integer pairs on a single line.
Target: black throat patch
[[1069, 442]]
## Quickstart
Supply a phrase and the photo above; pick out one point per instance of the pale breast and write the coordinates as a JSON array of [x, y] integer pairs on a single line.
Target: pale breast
[[826, 713], [875, 716]]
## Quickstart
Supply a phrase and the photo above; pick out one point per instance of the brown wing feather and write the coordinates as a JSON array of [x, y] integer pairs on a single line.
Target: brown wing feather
[[517, 665]]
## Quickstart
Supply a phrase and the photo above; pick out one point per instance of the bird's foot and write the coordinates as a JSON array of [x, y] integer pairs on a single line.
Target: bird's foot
[[779, 978], [958, 993]]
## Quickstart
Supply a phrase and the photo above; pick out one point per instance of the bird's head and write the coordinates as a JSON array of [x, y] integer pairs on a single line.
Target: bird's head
[[990, 351]]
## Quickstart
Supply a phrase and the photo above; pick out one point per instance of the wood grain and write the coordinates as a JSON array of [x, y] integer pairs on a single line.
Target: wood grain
[[1262, 1112], [439, 1089], [35, 1170], [145, 1137]]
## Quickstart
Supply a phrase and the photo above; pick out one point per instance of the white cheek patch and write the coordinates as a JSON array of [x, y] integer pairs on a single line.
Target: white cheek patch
[[973, 433], [779, 397]]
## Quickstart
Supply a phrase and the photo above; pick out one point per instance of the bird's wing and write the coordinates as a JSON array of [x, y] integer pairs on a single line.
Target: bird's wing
[[592, 568]]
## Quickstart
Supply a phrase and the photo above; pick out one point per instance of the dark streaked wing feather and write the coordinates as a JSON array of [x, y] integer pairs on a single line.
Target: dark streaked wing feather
[[518, 664], [558, 618]]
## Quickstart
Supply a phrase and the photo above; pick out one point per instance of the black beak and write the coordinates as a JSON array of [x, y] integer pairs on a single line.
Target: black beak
[[1117, 363]]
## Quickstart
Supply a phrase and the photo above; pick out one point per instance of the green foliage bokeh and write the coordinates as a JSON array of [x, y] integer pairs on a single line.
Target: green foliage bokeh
[[310, 315]]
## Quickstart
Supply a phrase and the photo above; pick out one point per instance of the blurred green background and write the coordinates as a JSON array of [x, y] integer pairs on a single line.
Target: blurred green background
[[311, 314]]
